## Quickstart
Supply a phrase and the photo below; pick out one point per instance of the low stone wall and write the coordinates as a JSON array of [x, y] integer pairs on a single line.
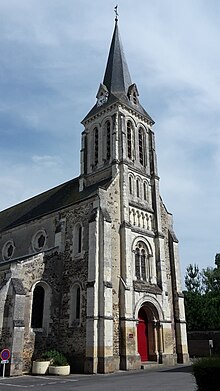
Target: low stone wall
[[198, 343]]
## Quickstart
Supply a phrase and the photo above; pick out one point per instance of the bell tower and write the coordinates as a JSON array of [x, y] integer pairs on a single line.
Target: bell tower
[[118, 148], [117, 127]]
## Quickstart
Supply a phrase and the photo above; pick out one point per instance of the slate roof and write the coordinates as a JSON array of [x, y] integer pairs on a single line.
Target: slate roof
[[117, 79], [45, 203]]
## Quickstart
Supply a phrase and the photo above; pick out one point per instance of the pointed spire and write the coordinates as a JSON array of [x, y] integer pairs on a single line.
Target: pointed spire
[[117, 77], [117, 84]]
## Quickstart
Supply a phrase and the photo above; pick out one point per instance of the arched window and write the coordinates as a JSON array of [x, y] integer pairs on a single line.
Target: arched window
[[130, 185], [138, 187], [75, 303], [141, 145], [78, 239], [145, 186], [129, 139], [142, 265], [96, 146], [37, 307], [40, 313], [137, 263], [108, 139]]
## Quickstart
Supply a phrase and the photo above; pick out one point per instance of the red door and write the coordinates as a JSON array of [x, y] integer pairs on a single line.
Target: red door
[[142, 335]]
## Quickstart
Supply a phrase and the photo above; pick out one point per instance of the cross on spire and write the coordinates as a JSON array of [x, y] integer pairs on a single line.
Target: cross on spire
[[116, 13]]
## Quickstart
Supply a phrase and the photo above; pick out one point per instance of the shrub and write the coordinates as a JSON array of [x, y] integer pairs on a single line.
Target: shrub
[[207, 373], [56, 358]]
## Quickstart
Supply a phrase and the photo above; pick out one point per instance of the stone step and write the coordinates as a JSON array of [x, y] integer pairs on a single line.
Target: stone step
[[149, 364]]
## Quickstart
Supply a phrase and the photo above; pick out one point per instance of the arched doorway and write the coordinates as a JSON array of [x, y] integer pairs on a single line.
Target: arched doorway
[[148, 333], [142, 335]]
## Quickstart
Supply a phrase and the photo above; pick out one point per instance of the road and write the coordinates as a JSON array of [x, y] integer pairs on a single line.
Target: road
[[177, 378]]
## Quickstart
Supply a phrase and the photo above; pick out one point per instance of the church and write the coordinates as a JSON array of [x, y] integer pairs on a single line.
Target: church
[[91, 267]]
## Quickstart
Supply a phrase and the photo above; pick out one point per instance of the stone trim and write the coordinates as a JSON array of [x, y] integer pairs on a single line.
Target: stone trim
[[31, 255], [93, 215], [125, 224], [180, 294], [90, 284], [173, 236], [142, 231], [118, 105], [159, 235], [124, 319], [100, 317], [107, 284], [18, 323], [140, 286], [106, 215], [180, 321], [141, 205]]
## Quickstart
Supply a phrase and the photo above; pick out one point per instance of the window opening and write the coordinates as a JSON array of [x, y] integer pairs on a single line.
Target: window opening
[[130, 185], [143, 264], [138, 187], [108, 140], [41, 241], [79, 239], [141, 155], [137, 265], [96, 136], [37, 307], [134, 97], [142, 269], [145, 191], [129, 142], [10, 250]]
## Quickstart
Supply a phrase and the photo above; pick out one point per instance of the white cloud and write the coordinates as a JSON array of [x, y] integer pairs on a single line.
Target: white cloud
[[46, 161]]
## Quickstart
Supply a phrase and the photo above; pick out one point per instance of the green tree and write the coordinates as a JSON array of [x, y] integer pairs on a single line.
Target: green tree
[[202, 297], [211, 277], [194, 309], [193, 279]]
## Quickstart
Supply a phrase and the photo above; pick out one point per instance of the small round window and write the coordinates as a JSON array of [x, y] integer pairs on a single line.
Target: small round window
[[8, 250], [39, 240]]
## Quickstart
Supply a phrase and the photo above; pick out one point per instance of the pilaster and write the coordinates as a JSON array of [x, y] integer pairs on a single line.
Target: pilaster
[[91, 360], [105, 326]]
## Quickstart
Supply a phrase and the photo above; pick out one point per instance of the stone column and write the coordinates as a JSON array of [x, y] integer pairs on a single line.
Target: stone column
[[91, 360], [178, 301], [130, 359], [168, 356], [105, 341], [18, 327]]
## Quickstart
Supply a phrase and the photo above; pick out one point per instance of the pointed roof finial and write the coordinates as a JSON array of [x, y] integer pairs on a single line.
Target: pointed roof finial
[[116, 13]]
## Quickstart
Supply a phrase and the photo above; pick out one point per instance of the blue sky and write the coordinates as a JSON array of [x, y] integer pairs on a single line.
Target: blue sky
[[52, 59]]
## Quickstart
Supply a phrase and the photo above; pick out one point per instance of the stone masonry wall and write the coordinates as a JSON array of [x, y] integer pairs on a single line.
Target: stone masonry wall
[[75, 270], [111, 201], [165, 226]]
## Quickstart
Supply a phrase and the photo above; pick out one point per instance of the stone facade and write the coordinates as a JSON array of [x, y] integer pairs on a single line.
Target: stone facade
[[91, 268]]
